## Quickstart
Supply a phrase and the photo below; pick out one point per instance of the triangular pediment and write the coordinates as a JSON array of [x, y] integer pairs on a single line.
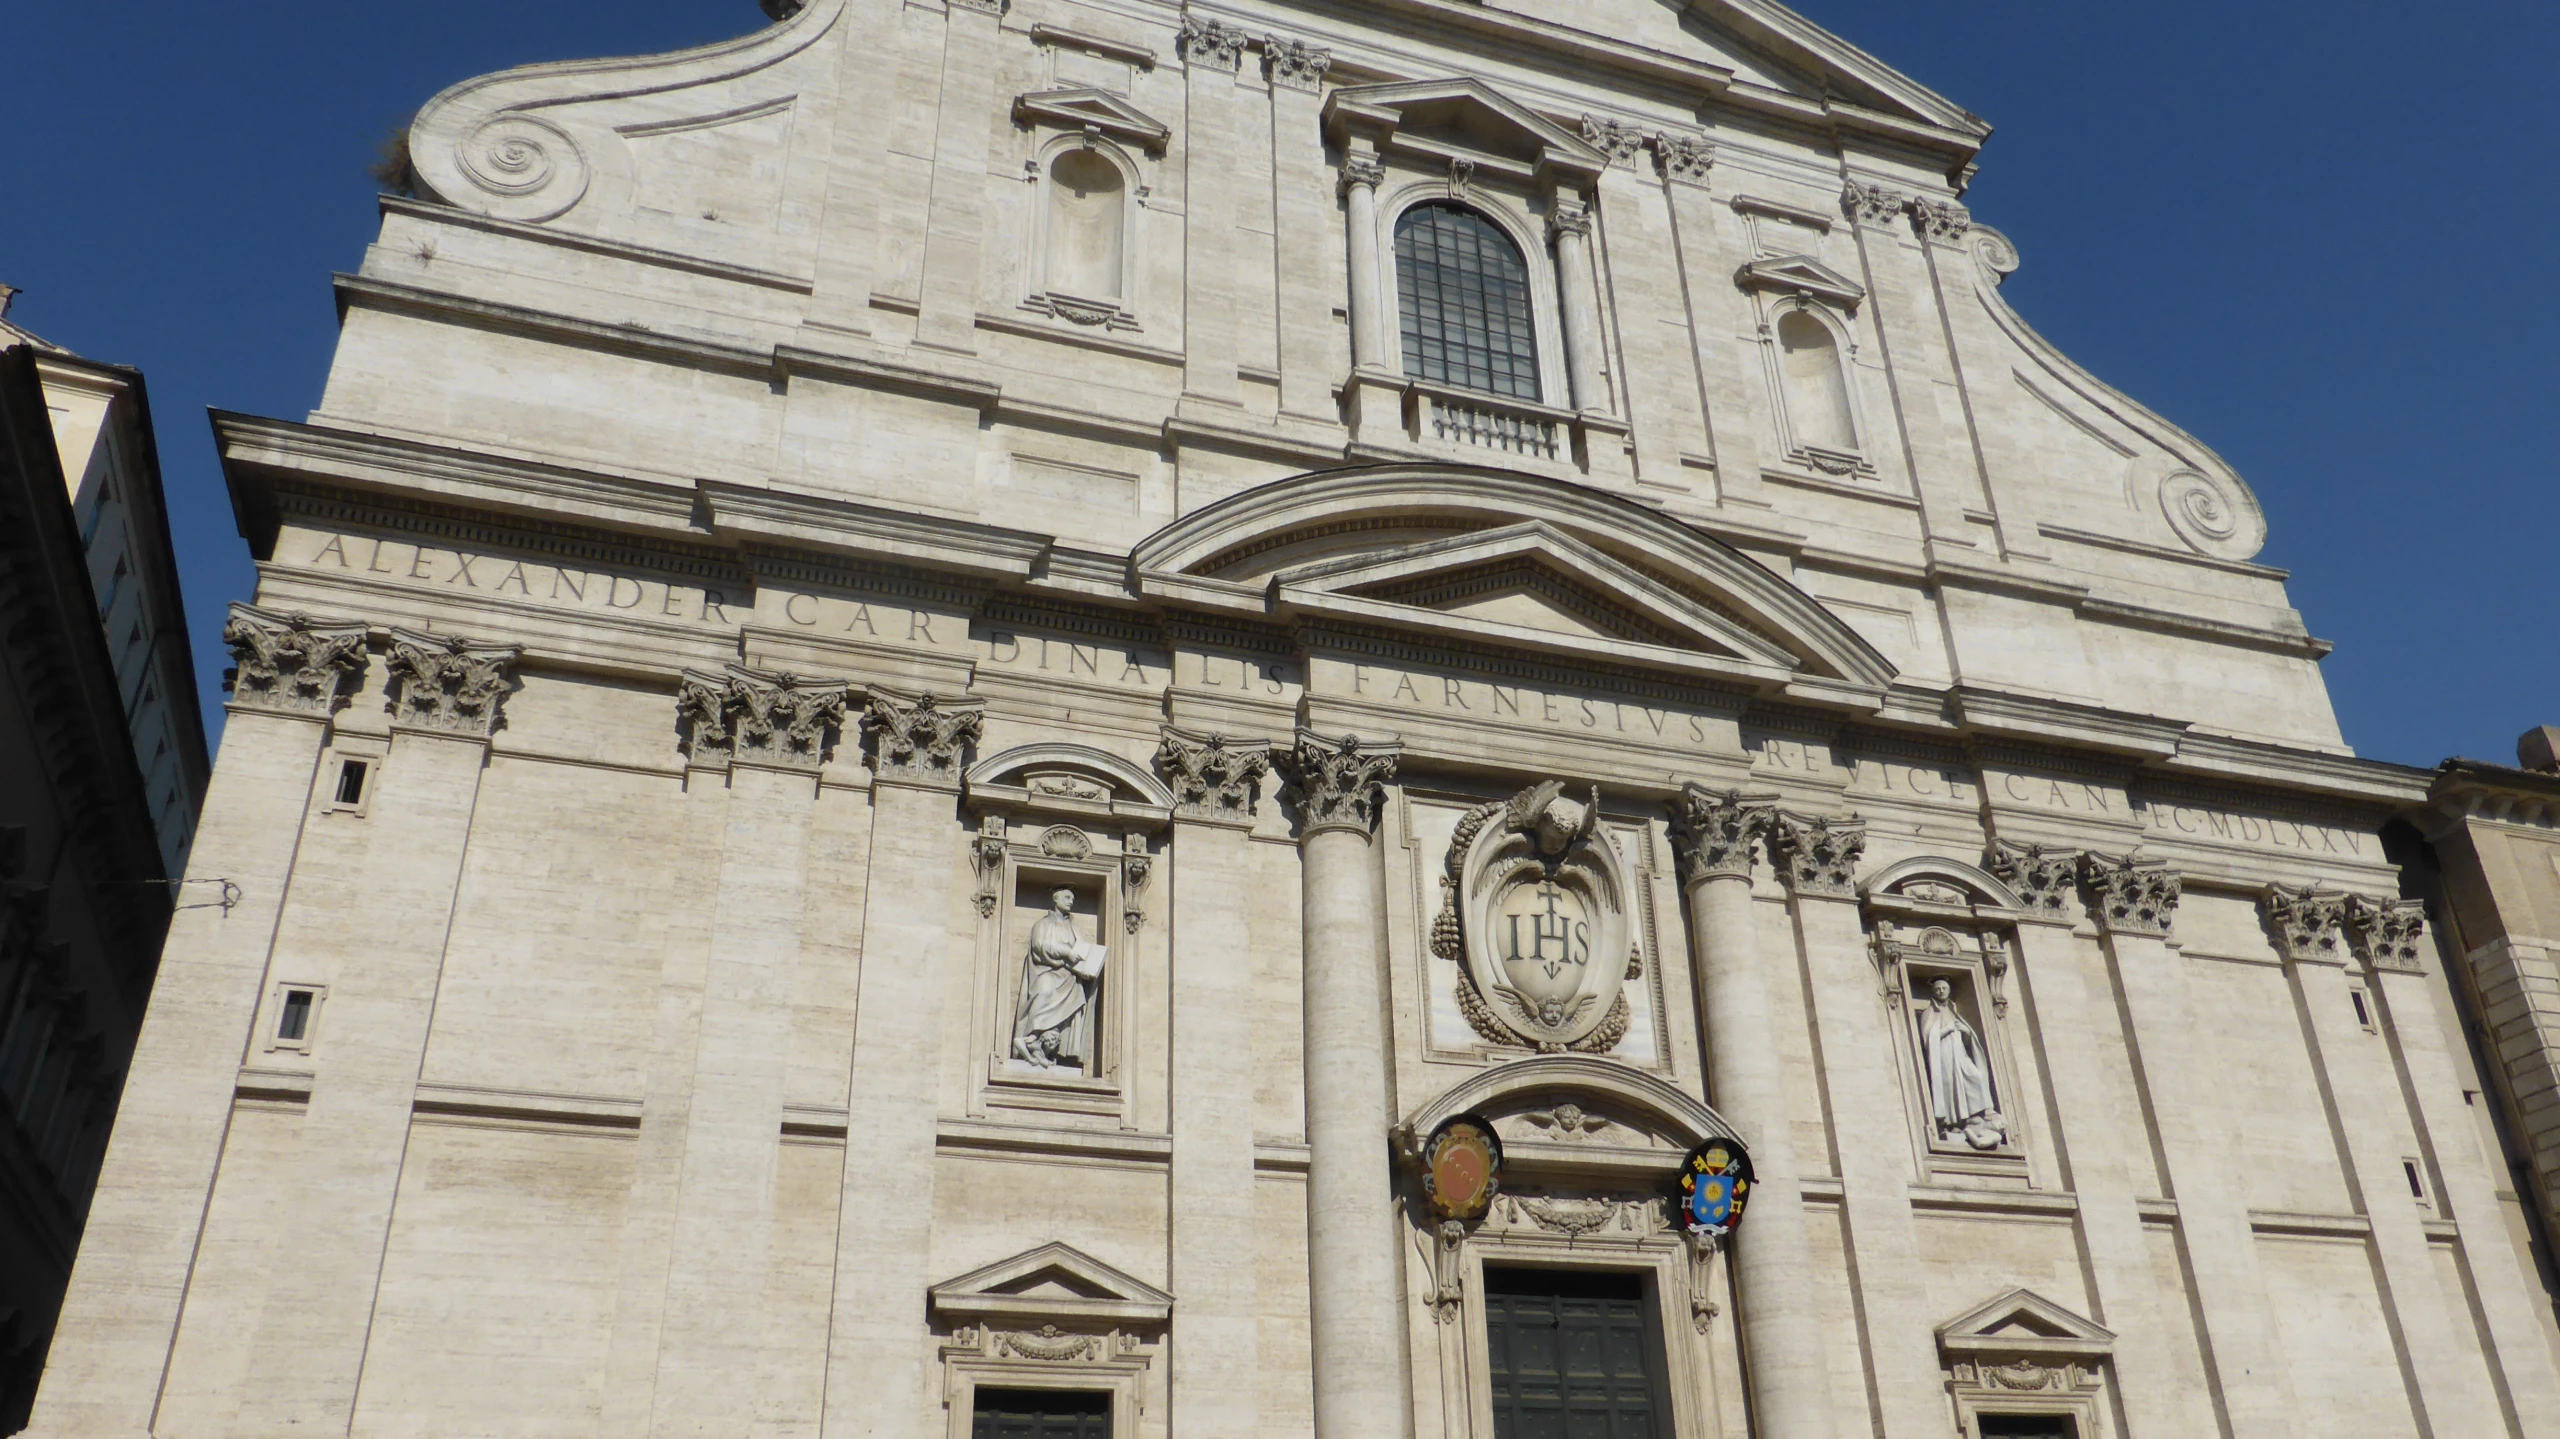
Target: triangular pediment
[[1530, 577], [1801, 275], [1053, 1282], [2023, 1322], [1459, 117], [1098, 111], [1489, 559]]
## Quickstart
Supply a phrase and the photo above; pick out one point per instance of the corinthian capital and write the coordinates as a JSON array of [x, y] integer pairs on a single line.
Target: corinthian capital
[[1339, 783], [921, 739], [1212, 43], [1712, 833], [2129, 894], [1941, 219], [2390, 931], [292, 663], [1684, 158], [1868, 204], [1295, 64], [2306, 923], [2045, 880], [1620, 141], [1210, 778], [1817, 856], [744, 714], [449, 684]]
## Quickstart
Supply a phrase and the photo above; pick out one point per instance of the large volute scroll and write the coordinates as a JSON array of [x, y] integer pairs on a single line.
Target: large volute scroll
[[1537, 917]]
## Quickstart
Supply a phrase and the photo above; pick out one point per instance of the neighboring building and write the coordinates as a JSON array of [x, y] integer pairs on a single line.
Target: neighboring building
[[102, 768], [768, 901], [2490, 872]]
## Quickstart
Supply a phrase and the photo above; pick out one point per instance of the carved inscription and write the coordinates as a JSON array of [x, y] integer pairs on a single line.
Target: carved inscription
[[2229, 827], [1527, 705], [464, 571]]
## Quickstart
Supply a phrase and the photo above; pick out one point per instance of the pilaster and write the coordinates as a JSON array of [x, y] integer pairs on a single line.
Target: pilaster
[[1708, 239], [1215, 1241], [376, 907], [775, 731], [915, 924], [2376, 1137], [2069, 1007], [1311, 358], [1782, 1341], [1213, 195], [2134, 904], [120, 1316], [1817, 859], [1916, 367], [956, 218]]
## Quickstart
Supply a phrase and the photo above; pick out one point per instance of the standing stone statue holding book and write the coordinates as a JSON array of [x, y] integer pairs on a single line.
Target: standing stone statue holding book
[[1061, 973]]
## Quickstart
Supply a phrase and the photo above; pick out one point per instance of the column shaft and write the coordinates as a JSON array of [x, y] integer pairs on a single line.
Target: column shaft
[[1367, 300], [1578, 296], [1782, 1339], [1355, 1286]]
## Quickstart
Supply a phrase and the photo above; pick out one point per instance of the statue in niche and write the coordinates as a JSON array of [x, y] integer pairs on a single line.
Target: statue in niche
[[1962, 1104], [1061, 973]]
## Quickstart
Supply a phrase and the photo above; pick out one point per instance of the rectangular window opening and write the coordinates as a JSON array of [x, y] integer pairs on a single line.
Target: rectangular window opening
[[295, 1023], [1040, 1414], [2417, 1185], [1571, 1352], [2364, 1012], [351, 778]]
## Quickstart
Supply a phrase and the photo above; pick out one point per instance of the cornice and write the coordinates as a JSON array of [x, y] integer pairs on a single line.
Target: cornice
[[828, 523], [357, 291]]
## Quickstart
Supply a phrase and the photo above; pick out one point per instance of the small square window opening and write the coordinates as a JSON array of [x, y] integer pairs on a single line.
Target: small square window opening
[[2027, 1426]]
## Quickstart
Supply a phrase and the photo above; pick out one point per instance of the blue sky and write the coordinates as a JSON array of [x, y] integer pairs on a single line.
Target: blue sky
[[2321, 237]]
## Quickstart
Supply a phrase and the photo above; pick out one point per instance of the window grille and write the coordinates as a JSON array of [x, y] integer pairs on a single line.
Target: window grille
[[1462, 293]]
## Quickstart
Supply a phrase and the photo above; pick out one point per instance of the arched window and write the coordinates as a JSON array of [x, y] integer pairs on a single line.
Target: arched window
[[1462, 292], [1817, 387], [1086, 211]]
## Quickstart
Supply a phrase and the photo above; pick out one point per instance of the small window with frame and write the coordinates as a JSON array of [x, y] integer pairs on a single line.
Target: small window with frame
[[295, 1025], [349, 780]]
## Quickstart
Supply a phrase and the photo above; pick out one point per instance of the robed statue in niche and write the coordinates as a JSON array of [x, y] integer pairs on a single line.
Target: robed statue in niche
[[1962, 1104], [1061, 975]]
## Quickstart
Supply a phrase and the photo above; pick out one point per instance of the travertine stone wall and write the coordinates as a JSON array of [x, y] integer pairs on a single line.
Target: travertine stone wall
[[802, 588]]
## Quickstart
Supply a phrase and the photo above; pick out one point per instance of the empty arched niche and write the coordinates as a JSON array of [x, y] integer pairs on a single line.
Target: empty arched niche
[[1817, 383], [1088, 218]]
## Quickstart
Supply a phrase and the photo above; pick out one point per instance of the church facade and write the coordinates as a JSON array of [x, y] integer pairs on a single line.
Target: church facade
[[1092, 718]]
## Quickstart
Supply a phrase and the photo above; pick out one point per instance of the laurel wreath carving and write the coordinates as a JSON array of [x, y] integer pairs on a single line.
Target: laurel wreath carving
[[1448, 941]]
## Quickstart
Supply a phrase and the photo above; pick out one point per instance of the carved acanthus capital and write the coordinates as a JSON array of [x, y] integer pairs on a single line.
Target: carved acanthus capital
[[1621, 142], [449, 684], [1712, 833], [1211, 778], [1568, 217], [2046, 880], [761, 718], [1295, 64], [2389, 931], [1685, 159], [1940, 219], [1818, 855], [1363, 170], [2129, 894], [1339, 783], [1212, 43], [1868, 204], [292, 663], [921, 739], [2306, 923]]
